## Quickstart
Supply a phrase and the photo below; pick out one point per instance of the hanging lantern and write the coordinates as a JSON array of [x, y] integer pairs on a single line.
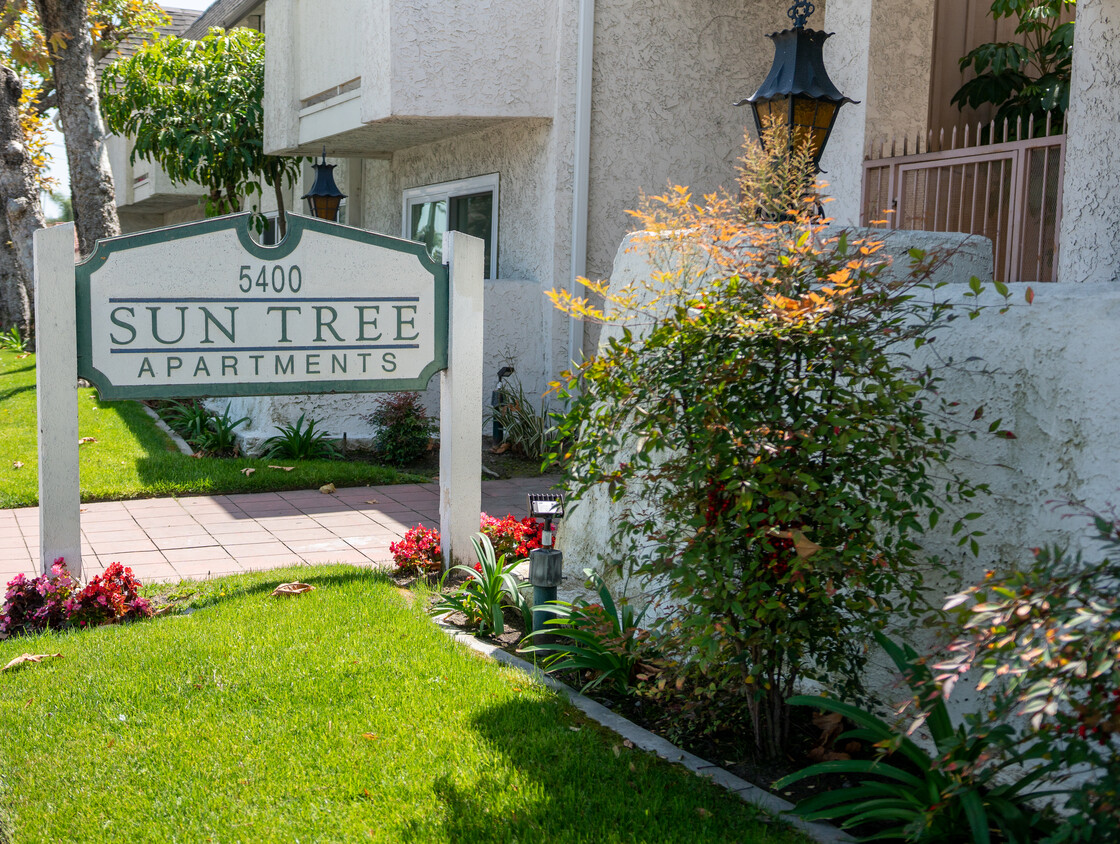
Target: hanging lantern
[[797, 92], [324, 196]]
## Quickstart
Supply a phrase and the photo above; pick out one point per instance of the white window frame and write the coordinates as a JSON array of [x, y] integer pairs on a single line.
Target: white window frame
[[448, 191]]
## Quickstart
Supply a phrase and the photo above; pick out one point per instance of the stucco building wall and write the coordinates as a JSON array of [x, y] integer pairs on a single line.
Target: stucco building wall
[[1090, 248]]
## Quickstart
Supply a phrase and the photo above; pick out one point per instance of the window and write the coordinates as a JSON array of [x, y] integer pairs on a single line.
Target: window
[[468, 205]]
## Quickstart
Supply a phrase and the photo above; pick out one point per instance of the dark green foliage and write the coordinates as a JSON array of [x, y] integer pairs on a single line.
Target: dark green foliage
[[188, 419], [604, 639], [300, 443], [404, 429], [1023, 80], [970, 791], [205, 431], [196, 108]]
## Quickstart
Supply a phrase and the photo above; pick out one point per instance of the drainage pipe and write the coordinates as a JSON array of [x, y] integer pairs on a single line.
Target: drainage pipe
[[581, 165]]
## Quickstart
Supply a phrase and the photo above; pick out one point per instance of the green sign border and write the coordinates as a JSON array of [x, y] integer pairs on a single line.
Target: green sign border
[[297, 225]]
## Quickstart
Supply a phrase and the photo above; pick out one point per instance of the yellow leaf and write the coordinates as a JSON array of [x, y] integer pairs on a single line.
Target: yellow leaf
[[327, 489]]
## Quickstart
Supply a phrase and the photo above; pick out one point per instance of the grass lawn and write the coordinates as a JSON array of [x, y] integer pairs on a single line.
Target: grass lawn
[[339, 715], [132, 458]]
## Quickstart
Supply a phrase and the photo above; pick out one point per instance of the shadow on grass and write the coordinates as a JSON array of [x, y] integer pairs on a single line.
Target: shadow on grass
[[595, 789], [7, 394], [199, 594]]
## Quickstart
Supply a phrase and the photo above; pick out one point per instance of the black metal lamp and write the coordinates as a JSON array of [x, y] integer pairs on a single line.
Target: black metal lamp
[[324, 196], [797, 91], [546, 564]]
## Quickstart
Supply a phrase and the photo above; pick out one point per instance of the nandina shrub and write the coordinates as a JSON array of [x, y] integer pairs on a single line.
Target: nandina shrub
[[1046, 639], [778, 455]]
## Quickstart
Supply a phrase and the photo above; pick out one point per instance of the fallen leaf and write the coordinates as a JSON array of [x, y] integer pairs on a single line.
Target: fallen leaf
[[247, 471], [1030, 296], [370, 736], [500, 449], [17, 465], [327, 489], [702, 812], [28, 658], [289, 589], [372, 501], [285, 468], [574, 729], [627, 743], [804, 546], [85, 440], [830, 725]]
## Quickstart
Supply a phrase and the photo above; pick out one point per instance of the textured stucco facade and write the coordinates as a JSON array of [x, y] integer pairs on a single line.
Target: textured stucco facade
[[881, 55], [424, 95], [1090, 247]]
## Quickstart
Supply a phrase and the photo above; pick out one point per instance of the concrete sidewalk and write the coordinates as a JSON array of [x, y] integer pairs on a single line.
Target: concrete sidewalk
[[174, 538]]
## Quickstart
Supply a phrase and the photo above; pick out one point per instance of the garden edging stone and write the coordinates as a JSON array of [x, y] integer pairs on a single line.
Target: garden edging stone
[[180, 443], [644, 739]]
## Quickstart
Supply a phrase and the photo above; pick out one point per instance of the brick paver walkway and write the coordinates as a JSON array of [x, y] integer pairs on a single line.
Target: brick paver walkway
[[173, 538]]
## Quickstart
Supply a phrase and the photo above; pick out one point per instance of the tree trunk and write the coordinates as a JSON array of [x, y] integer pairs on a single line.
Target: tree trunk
[[15, 304], [66, 27], [23, 214], [281, 217]]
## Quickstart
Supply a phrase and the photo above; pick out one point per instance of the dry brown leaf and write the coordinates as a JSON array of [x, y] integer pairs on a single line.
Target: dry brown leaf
[[372, 501], [17, 465], [285, 468], [830, 725], [327, 489], [500, 449], [288, 589], [85, 440], [247, 471], [25, 659], [804, 546], [370, 736]]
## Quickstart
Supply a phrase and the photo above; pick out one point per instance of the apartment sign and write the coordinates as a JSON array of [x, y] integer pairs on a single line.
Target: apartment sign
[[203, 310]]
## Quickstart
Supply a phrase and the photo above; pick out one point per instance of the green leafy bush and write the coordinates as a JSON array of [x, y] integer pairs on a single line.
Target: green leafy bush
[[1046, 640], [528, 430], [404, 429], [300, 443], [778, 456], [189, 419], [218, 437], [204, 431], [1023, 80], [971, 790], [489, 587], [604, 640], [12, 341]]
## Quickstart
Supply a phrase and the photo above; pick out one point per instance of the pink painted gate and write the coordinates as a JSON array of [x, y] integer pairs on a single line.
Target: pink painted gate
[[1009, 191]]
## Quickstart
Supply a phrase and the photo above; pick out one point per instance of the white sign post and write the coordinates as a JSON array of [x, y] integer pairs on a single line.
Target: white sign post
[[56, 399], [202, 310]]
